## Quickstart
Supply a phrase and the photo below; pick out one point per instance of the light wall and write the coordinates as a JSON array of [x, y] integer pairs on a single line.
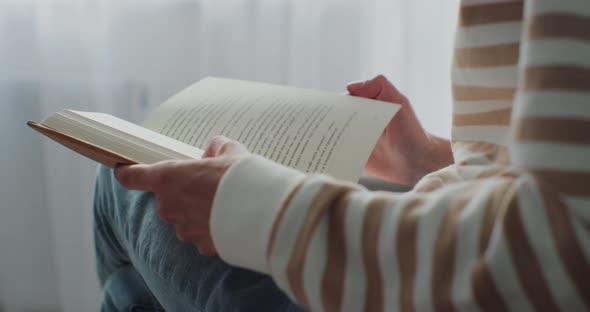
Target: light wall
[[125, 57]]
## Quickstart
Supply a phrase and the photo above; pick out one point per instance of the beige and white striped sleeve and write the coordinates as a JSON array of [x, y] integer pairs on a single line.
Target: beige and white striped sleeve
[[519, 241]]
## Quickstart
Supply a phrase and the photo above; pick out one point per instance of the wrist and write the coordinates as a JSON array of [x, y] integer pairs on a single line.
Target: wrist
[[438, 154], [240, 211]]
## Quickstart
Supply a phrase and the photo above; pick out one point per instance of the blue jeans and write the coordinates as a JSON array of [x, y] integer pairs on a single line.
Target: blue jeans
[[142, 266]]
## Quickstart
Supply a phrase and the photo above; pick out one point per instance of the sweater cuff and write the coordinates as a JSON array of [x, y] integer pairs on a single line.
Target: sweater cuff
[[245, 206]]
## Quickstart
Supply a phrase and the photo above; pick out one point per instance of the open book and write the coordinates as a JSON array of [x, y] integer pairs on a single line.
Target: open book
[[312, 131]]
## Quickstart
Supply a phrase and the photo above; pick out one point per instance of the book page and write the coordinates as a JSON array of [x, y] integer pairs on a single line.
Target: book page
[[119, 130], [312, 131], [120, 137]]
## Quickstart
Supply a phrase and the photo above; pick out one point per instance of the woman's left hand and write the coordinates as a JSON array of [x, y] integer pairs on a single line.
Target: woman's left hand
[[185, 189]]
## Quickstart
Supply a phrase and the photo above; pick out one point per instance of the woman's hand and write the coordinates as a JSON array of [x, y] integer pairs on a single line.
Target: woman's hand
[[185, 189], [405, 152]]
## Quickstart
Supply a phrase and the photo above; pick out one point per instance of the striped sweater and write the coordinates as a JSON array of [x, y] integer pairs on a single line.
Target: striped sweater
[[507, 227]]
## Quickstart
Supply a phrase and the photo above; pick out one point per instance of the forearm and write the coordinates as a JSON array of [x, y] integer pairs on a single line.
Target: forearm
[[330, 244]]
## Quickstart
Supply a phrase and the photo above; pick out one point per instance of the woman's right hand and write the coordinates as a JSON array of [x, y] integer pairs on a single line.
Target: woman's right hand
[[405, 152]]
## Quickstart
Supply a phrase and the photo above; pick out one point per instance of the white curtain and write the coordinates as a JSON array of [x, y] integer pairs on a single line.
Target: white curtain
[[125, 57]]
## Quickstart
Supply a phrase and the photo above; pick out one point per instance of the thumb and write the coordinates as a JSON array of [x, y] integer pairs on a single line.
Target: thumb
[[354, 87], [367, 89], [136, 177], [378, 88], [220, 145]]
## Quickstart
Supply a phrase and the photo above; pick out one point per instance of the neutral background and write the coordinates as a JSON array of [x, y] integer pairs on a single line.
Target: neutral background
[[125, 57]]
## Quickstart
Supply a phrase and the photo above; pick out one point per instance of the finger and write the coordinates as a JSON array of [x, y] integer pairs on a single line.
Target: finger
[[220, 145], [206, 247], [185, 236], [214, 146], [170, 216], [368, 89], [194, 229], [389, 93], [377, 88], [136, 177], [195, 235], [354, 87], [178, 210]]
